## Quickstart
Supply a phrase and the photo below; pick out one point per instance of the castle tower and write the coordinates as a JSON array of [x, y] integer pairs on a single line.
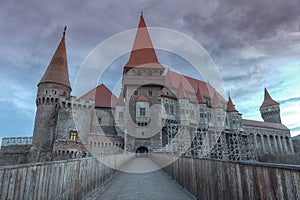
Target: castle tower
[[142, 79], [269, 109], [54, 83]]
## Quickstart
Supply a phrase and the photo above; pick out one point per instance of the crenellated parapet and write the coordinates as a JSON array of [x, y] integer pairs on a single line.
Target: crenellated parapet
[[16, 141], [76, 103]]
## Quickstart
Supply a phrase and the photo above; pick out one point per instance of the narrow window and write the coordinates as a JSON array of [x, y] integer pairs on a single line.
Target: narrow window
[[121, 115], [142, 112], [73, 135], [100, 120], [150, 93]]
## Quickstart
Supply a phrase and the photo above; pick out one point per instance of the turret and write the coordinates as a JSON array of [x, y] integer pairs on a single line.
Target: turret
[[234, 119], [183, 100], [270, 110], [54, 83]]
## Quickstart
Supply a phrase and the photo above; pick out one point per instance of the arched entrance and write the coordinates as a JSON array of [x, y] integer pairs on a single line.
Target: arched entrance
[[141, 151]]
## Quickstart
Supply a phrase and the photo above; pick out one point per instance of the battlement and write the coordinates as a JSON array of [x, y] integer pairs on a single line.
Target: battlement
[[75, 103], [16, 141]]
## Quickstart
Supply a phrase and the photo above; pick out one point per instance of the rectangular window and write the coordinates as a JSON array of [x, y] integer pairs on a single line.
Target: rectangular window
[[150, 93], [142, 112], [73, 135], [100, 120], [136, 93], [121, 115]]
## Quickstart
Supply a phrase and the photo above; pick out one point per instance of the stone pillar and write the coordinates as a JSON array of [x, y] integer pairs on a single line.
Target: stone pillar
[[284, 145], [269, 142], [255, 141], [276, 146], [291, 145], [280, 145], [263, 143]]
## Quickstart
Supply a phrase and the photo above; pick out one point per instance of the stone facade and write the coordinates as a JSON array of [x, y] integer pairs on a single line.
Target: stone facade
[[157, 110]]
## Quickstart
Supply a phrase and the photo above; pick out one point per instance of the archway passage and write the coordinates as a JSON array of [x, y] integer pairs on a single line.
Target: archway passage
[[142, 149]]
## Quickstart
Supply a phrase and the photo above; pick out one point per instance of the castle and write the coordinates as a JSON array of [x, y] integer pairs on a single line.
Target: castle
[[157, 110]]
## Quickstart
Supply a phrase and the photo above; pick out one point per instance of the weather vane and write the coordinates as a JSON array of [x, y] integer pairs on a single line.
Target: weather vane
[[142, 13], [65, 29]]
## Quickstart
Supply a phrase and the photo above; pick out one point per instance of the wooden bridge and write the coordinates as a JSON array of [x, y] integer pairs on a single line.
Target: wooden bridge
[[186, 178]]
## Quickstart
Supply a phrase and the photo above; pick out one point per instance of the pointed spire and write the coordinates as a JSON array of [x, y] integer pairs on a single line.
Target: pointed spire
[[121, 100], [268, 101], [57, 71], [199, 96], [181, 94], [230, 106], [143, 52]]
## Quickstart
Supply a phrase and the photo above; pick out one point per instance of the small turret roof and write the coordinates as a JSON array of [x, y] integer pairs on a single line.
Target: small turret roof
[[199, 96], [268, 101], [57, 71], [181, 93], [142, 98], [216, 102], [230, 106]]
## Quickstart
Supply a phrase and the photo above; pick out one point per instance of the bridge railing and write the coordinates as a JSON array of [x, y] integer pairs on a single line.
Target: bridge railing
[[214, 179], [69, 179]]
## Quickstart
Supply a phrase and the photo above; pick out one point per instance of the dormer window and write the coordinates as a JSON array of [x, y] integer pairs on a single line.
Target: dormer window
[[73, 135]]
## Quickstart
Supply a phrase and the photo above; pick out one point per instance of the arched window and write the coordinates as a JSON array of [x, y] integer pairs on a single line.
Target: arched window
[[167, 108], [138, 72], [149, 73]]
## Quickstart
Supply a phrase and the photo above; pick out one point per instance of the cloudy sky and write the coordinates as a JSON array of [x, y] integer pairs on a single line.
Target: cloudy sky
[[253, 43]]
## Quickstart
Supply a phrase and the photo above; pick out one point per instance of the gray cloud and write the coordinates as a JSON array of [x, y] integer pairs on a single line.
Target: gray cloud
[[243, 38]]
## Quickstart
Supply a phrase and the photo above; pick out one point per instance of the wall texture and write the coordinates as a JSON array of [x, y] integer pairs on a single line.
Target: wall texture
[[212, 179], [70, 179]]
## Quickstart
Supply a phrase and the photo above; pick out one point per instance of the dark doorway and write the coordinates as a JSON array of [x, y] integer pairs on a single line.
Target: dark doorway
[[141, 152], [141, 149]]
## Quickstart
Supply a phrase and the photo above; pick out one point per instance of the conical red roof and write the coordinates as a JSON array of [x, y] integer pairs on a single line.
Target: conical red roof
[[181, 94], [199, 96], [230, 106], [121, 100], [268, 101], [57, 71], [143, 53]]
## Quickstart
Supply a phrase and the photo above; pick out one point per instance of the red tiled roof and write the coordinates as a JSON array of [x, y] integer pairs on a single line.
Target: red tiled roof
[[254, 123], [181, 94], [191, 85], [103, 97], [121, 100], [57, 71], [216, 102], [142, 98], [230, 106], [199, 96], [268, 101], [143, 52]]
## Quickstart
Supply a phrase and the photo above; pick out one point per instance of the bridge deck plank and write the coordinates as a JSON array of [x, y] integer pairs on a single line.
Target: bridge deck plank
[[147, 185]]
